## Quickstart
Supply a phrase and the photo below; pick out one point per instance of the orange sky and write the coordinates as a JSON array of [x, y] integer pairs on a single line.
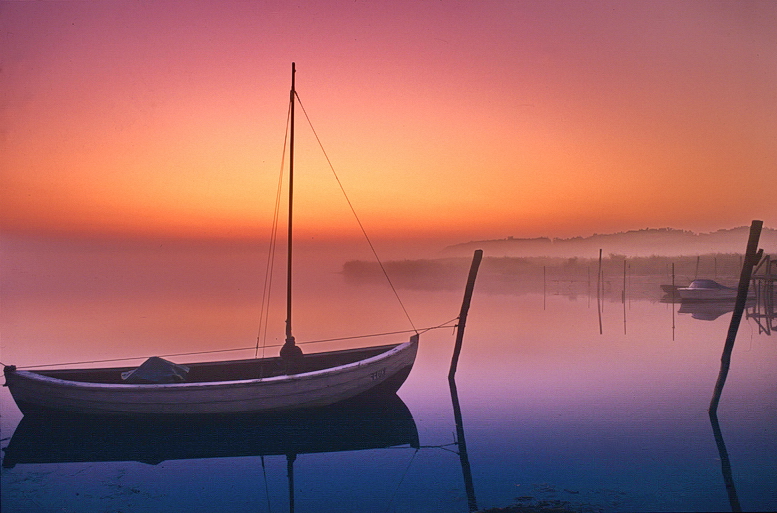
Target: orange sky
[[446, 120]]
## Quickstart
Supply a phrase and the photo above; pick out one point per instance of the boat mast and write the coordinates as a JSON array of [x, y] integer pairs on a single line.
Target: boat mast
[[289, 349], [289, 337]]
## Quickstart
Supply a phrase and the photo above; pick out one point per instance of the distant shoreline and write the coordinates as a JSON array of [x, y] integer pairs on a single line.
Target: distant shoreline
[[633, 243], [573, 275]]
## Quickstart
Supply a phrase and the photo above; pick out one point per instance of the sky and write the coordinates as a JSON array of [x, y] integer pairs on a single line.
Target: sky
[[444, 120]]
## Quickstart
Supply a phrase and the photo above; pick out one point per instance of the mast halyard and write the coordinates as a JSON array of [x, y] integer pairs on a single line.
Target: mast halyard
[[289, 349]]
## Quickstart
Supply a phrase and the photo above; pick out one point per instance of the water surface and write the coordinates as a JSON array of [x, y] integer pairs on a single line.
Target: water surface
[[555, 405]]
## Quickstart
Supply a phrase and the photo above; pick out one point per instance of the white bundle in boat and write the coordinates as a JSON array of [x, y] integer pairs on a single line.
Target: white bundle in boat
[[156, 370]]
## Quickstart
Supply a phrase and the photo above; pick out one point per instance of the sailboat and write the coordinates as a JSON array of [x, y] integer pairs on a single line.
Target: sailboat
[[159, 388]]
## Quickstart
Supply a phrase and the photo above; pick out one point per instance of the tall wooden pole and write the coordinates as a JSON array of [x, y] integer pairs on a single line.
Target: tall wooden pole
[[599, 276], [599, 291], [674, 295], [752, 256], [473, 273], [623, 295]]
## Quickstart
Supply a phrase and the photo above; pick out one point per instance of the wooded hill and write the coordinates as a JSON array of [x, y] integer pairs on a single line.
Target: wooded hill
[[647, 242]]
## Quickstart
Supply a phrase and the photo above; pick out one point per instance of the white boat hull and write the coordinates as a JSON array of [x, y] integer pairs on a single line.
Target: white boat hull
[[708, 290], [33, 391]]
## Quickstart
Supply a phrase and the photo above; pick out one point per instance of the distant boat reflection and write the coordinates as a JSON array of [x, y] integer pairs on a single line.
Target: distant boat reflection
[[708, 310], [345, 428]]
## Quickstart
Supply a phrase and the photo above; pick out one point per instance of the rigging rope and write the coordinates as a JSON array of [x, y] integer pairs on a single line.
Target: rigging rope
[[264, 309], [268, 273], [353, 210]]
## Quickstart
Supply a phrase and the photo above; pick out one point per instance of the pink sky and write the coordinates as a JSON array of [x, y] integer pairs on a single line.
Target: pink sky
[[451, 120]]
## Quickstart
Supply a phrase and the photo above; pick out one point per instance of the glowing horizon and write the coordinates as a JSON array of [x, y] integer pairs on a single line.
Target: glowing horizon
[[449, 121]]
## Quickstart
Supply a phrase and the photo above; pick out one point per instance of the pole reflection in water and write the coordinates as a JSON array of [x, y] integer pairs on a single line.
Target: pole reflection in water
[[725, 463], [461, 442]]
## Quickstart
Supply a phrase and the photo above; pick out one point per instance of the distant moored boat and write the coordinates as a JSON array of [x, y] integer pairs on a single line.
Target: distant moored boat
[[708, 290]]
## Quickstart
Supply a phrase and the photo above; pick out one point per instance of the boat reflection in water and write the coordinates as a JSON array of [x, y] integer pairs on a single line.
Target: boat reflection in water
[[84, 439], [709, 310], [349, 427], [354, 427]]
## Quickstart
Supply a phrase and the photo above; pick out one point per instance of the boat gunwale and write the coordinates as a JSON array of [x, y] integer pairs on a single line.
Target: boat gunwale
[[64, 383]]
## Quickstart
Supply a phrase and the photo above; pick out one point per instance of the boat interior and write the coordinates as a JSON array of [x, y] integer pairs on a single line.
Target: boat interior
[[231, 370]]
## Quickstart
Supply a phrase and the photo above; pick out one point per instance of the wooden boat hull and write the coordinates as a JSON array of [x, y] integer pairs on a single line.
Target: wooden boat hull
[[381, 373]]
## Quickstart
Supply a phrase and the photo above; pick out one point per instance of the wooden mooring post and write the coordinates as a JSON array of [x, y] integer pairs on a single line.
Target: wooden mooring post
[[623, 294], [674, 295], [599, 291], [473, 273], [464, 458], [752, 257]]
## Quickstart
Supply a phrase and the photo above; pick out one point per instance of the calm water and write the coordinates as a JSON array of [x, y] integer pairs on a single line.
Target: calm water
[[553, 407]]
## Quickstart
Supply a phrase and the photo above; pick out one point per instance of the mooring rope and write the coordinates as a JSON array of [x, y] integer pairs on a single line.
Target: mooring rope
[[401, 480], [353, 210], [444, 325], [354, 337]]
